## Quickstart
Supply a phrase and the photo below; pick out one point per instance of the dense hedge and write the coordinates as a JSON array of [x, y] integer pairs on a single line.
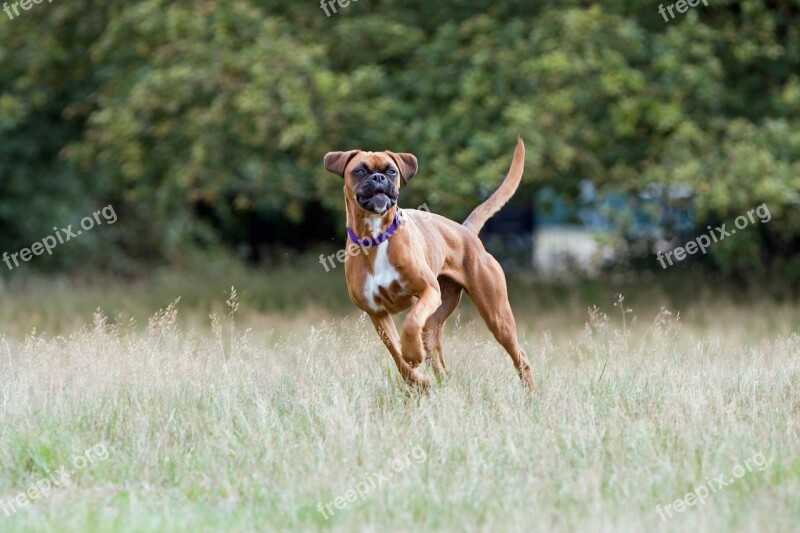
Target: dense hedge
[[205, 122]]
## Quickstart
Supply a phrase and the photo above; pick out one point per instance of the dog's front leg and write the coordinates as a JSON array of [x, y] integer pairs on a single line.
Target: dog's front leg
[[387, 331], [429, 301]]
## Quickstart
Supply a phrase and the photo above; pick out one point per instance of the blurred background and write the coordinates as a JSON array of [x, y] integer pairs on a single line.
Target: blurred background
[[204, 124]]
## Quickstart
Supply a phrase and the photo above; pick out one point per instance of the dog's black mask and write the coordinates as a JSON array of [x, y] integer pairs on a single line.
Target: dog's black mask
[[378, 192]]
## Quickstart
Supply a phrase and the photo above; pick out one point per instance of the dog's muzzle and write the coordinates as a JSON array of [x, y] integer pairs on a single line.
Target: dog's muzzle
[[377, 193]]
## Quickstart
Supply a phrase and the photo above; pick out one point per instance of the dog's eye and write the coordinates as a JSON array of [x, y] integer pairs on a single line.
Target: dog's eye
[[391, 172], [360, 172]]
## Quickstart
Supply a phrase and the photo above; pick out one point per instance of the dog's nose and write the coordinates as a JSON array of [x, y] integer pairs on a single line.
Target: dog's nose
[[379, 178]]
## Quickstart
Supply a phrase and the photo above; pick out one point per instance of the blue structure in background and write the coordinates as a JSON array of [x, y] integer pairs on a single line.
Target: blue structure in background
[[556, 233], [643, 216]]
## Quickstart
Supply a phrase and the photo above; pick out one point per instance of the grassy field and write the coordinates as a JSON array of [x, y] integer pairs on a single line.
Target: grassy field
[[283, 411]]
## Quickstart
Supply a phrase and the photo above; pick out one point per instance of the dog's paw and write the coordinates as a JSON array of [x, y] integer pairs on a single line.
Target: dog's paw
[[419, 382]]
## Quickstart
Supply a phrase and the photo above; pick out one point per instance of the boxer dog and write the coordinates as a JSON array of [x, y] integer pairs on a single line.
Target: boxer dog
[[421, 261]]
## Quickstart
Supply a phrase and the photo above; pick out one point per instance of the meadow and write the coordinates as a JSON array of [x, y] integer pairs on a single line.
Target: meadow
[[253, 410]]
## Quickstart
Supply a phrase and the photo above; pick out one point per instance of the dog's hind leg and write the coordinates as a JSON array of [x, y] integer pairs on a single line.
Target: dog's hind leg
[[432, 334], [387, 331], [490, 296]]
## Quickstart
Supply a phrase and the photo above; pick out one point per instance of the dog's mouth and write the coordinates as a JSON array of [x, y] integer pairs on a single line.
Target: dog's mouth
[[377, 201]]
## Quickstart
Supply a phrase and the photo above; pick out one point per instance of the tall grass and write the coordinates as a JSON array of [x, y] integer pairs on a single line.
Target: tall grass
[[230, 425]]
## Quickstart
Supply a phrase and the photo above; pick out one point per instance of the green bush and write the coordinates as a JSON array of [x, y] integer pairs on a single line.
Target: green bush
[[199, 121]]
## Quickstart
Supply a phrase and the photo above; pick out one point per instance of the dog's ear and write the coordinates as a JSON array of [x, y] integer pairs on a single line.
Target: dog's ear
[[336, 162], [406, 164]]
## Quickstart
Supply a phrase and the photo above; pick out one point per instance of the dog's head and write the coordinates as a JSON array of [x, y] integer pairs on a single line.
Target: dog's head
[[372, 179]]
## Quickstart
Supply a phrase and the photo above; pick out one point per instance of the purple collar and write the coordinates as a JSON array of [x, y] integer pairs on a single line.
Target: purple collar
[[375, 241]]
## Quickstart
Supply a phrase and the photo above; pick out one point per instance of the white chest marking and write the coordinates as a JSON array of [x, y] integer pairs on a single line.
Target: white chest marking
[[384, 274]]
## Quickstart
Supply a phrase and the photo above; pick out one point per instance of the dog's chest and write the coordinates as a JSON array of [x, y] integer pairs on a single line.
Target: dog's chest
[[381, 284]]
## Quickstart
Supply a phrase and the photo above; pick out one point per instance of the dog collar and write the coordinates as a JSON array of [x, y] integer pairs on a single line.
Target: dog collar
[[375, 241]]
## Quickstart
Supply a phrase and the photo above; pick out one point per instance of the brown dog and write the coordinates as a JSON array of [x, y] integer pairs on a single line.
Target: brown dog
[[420, 260]]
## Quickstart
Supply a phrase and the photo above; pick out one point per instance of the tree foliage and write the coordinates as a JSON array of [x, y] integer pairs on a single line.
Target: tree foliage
[[201, 120]]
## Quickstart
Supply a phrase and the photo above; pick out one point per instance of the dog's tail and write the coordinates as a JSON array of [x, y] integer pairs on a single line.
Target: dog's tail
[[503, 194]]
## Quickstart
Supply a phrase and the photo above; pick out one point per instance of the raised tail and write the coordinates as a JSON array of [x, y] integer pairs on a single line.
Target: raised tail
[[503, 194]]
